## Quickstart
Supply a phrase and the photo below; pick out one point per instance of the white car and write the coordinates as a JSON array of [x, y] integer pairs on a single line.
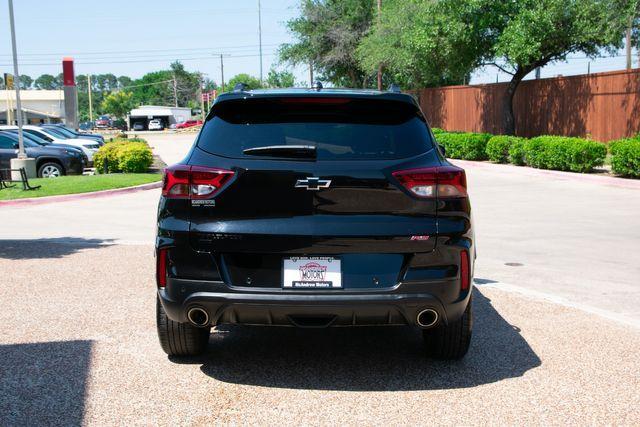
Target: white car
[[88, 146], [155, 125]]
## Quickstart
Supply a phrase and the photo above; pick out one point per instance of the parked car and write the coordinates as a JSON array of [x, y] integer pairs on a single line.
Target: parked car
[[45, 143], [51, 161], [155, 125], [188, 124], [315, 209], [103, 122], [138, 126], [72, 133], [86, 125], [88, 147]]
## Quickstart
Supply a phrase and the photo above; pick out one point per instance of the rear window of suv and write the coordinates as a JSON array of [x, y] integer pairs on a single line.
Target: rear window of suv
[[340, 128]]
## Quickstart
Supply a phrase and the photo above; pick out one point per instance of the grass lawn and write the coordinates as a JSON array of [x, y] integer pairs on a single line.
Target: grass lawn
[[78, 184]]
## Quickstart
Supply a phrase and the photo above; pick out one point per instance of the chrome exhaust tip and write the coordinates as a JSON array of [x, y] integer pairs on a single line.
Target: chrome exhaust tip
[[427, 318], [198, 317]]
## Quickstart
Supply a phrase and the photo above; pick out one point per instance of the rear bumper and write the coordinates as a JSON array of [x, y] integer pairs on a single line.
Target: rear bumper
[[314, 309]]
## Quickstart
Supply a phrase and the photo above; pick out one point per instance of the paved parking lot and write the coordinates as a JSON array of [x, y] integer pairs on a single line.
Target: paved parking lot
[[556, 338]]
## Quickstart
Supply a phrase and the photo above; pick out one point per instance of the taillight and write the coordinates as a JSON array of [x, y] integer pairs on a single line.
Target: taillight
[[464, 270], [193, 182], [161, 268], [438, 181]]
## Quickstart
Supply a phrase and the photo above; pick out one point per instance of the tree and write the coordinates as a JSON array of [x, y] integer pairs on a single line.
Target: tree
[[250, 81], [439, 42], [536, 33], [118, 104], [124, 81], [280, 79], [46, 82], [82, 83], [420, 43], [328, 33], [25, 81]]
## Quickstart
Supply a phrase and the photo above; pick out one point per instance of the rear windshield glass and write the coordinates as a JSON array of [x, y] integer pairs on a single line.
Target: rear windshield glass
[[339, 128]]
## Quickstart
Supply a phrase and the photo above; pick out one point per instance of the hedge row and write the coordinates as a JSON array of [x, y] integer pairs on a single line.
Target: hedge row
[[544, 152], [122, 155], [625, 156]]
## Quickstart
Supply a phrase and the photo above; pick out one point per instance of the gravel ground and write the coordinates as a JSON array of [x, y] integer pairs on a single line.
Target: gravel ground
[[78, 345]]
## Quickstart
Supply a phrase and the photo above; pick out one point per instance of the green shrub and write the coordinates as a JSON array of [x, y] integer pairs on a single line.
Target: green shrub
[[517, 153], [625, 157], [498, 147], [135, 157], [437, 131], [467, 146], [564, 153], [123, 156], [108, 154]]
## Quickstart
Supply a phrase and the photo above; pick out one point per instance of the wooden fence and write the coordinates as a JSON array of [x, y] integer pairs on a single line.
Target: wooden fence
[[604, 106]]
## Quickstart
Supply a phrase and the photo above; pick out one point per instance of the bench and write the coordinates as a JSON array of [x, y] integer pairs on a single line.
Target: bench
[[7, 181]]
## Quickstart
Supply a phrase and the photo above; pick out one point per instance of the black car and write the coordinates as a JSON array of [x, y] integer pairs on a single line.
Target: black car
[[70, 133], [315, 208], [51, 161]]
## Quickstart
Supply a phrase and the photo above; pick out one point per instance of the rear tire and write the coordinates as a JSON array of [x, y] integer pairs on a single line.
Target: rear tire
[[450, 342], [180, 339], [50, 170]]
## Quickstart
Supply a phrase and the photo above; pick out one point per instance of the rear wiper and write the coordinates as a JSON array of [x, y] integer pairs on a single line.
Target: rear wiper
[[291, 151]]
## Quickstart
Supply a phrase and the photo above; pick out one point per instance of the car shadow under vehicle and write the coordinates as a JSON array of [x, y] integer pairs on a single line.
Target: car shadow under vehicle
[[364, 358], [56, 247]]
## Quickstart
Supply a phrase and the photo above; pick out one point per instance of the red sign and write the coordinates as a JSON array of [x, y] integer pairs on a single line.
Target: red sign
[[69, 77]]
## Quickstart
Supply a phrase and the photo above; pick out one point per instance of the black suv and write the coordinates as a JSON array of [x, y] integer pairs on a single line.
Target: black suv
[[315, 208]]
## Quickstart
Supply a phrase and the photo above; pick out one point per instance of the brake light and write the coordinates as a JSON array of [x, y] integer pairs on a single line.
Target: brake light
[[315, 100], [464, 270], [161, 268], [439, 181], [193, 182]]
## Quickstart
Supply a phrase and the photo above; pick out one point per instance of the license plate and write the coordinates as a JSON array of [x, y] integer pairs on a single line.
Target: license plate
[[312, 273]]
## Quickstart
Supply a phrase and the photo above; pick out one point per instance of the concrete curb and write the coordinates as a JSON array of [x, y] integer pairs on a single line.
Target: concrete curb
[[560, 175], [70, 197]]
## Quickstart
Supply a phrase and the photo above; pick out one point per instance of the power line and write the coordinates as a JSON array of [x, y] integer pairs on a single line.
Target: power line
[[125, 52]]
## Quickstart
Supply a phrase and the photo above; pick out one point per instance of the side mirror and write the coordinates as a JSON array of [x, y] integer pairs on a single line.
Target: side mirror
[[442, 150]]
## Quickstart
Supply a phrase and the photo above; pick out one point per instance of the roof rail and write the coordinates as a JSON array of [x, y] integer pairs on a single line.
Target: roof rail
[[240, 87], [394, 88], [317, 85]]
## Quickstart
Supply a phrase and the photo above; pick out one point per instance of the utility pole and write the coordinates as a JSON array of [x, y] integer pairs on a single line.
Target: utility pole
[[90, 103], [16, 83], [628, 47], [380, 65], [22, 162], [175, 90], [222, 71], [202, 96], [260, 38], [310, 74]]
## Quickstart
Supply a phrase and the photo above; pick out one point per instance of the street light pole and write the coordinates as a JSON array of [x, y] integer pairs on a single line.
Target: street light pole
[[16, 83], [260, 38]]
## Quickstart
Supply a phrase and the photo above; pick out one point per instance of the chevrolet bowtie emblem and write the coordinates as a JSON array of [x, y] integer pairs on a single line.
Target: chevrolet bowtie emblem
[[313, 183]]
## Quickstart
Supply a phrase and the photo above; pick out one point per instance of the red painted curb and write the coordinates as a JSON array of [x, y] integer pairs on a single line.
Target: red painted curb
[[573, 176], [70, 197]]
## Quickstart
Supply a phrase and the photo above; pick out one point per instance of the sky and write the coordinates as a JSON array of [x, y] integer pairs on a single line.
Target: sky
[[133, 37]]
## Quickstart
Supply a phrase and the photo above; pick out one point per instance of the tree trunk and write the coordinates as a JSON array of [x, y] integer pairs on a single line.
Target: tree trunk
[[508, 119]]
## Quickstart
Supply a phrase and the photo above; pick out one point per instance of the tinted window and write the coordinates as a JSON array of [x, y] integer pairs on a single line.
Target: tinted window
[[56, 133], [339, 128], [38, 134], [6, 142], [62, 131]]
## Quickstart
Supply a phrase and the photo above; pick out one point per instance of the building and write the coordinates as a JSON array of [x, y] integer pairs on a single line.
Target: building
[[38, 106], [167, 115]]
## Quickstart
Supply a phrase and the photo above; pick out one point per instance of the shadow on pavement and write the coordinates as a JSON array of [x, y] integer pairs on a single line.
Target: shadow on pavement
[[46, 248], [43, 383], [360, 359]]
